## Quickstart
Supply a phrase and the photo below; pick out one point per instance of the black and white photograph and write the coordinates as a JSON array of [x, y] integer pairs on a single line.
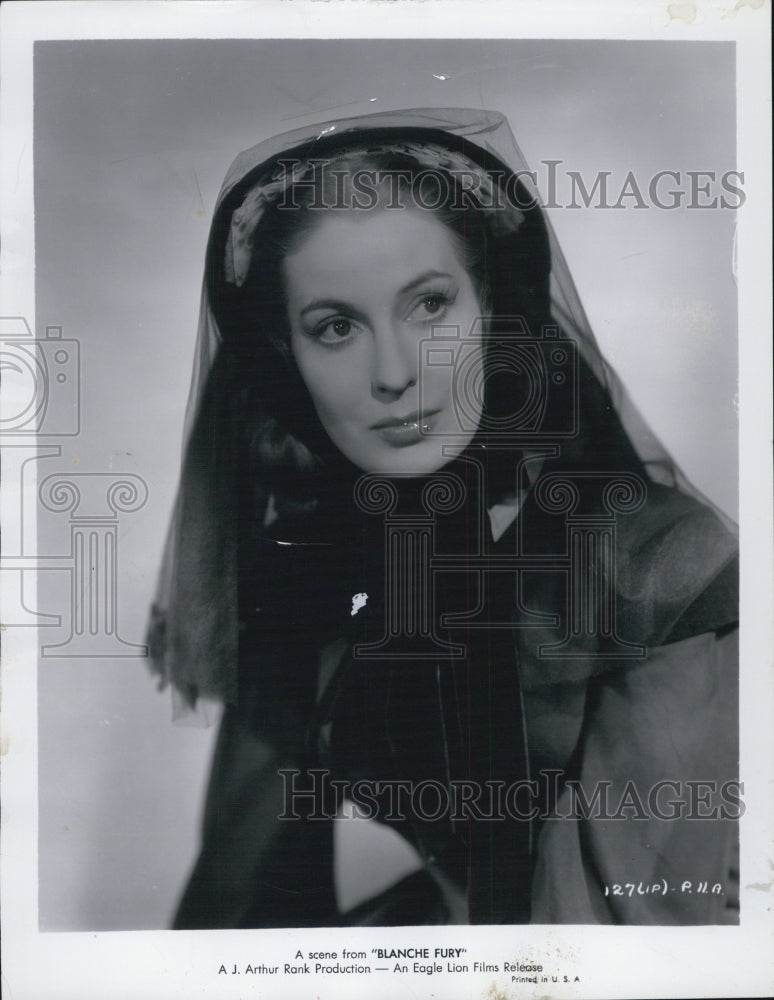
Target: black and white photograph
[[387, 495]]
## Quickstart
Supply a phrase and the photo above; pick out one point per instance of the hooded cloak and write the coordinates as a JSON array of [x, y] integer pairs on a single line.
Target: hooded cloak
[[643, 694]]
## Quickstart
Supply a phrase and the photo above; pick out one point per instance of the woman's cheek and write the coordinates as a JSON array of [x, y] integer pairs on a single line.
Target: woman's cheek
[[330, 384]]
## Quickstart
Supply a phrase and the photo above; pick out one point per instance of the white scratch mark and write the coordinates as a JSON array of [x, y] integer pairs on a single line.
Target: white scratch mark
[[358, 602]]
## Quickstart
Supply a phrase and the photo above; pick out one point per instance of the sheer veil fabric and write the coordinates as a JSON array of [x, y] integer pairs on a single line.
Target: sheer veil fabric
[[590, 712]]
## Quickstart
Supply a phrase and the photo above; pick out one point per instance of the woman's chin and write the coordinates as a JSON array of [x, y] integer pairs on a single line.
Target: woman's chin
[[420, 459]]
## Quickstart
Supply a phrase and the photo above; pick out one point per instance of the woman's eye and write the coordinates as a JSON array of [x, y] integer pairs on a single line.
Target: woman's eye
[[430, 306], [333, 331], [433, 303]]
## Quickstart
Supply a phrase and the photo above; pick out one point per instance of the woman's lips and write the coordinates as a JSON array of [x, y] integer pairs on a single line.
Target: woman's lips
[[403, 431]]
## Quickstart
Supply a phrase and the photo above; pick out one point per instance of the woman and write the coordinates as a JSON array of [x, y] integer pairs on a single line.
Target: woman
[[433, 562]]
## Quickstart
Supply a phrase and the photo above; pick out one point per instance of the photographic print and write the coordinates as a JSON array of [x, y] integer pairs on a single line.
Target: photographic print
[[373, 504]]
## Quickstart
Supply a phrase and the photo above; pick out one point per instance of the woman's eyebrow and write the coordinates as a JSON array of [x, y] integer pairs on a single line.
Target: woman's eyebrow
[[425, 276], [339, 305]]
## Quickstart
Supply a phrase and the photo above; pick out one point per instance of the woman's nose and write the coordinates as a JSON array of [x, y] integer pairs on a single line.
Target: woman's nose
[[394, 363]]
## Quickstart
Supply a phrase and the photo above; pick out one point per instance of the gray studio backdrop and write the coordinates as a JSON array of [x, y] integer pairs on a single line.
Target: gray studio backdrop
[[132, 139]]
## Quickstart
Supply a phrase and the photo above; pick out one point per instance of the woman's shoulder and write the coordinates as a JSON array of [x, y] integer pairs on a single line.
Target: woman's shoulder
[[676, 569], [662, 572], [658, 751]]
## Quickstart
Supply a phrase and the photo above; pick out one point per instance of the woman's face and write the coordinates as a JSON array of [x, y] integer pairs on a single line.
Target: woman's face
[[364, 291]]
